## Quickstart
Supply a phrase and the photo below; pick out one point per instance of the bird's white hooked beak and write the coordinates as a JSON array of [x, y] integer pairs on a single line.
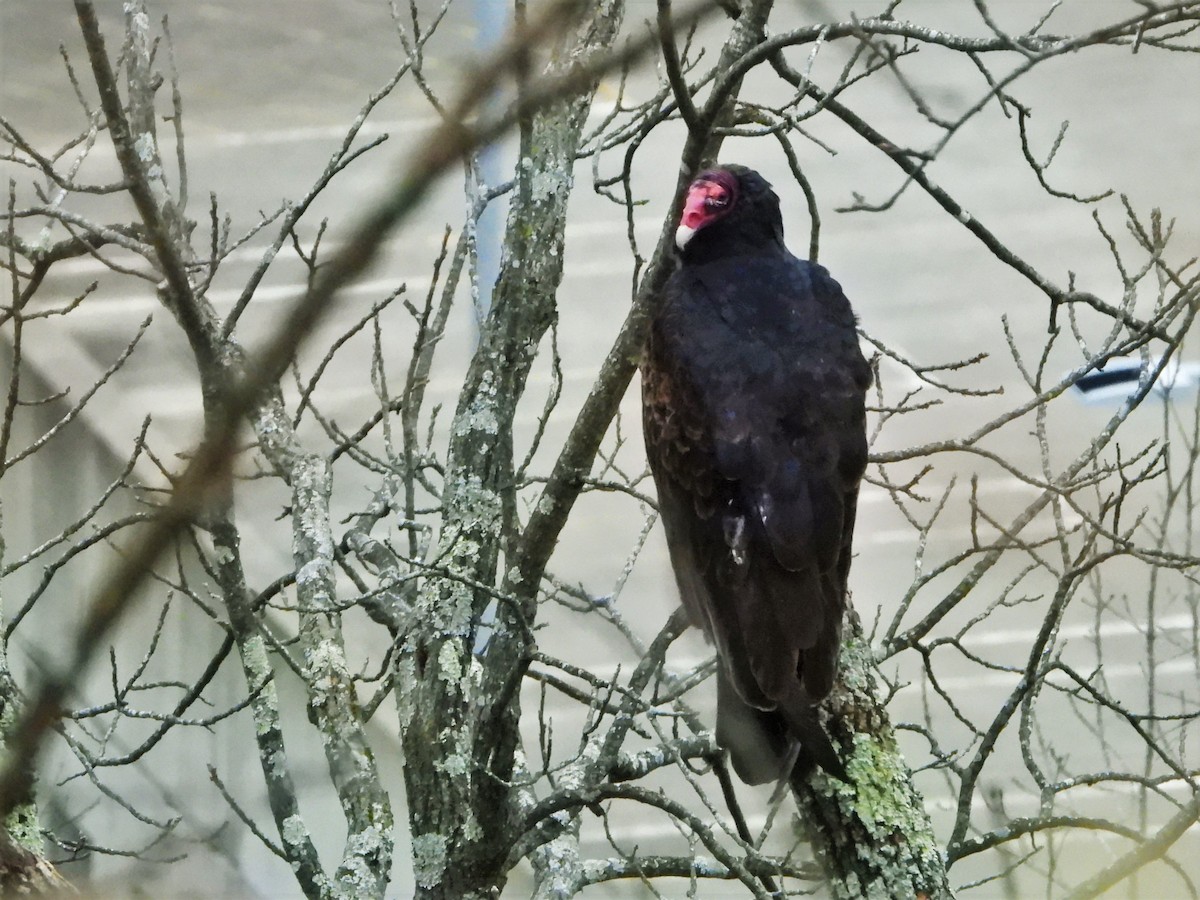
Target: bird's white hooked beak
[[683, 234]]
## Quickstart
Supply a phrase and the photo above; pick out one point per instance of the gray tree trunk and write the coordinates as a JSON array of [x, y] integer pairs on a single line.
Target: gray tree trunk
[[872, 836], [459, 711]]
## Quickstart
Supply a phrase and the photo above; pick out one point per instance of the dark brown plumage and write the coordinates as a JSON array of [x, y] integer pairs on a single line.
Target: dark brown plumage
[[753, 389]]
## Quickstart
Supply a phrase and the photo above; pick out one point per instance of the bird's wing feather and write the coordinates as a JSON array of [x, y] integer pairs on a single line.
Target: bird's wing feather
[[753, 389]]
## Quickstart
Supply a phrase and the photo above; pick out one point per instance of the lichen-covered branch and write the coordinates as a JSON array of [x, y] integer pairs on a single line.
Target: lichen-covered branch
[[458, 712], [366, 864], [871, 835]]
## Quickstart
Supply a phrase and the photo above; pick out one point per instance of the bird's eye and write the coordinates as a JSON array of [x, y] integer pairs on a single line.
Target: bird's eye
[[716, 201]]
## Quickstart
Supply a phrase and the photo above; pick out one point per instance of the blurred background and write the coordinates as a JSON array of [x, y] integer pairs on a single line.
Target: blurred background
[[269, 89]]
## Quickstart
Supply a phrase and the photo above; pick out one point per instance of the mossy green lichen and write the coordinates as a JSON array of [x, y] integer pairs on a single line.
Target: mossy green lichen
[[855, 665], [429, 859], [22, 826], [880, 797], [293, 831], [257, 665], [450, 668], [877, 825]]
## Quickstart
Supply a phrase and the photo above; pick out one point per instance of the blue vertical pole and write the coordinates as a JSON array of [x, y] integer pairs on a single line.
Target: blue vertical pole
[[491, 21]]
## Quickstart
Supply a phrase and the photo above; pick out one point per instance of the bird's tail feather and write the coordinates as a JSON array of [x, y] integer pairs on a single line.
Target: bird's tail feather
[[759, 741], [815, 746]]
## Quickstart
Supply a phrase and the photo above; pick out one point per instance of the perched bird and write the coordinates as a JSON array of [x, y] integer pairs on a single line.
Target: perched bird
[[753, 393]]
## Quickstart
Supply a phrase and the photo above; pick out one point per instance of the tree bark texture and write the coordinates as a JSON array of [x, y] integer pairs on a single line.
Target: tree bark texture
[[872, 835], [458, 707], [23, 867]]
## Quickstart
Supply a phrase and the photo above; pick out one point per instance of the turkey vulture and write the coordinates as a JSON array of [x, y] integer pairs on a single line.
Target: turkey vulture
[[753, 392]]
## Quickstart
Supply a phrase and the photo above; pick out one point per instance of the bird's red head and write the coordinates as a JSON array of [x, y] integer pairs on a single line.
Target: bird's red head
[[709, 197]]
